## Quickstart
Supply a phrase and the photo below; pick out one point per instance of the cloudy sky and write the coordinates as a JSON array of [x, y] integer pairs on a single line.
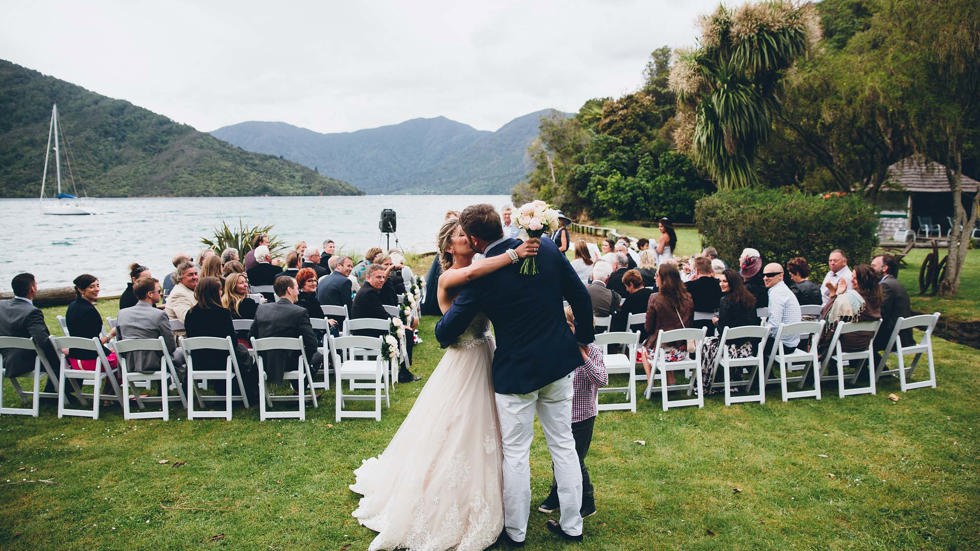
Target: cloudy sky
[[336, 66]]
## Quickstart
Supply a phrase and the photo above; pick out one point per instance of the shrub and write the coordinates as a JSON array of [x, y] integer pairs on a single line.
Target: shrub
[[783, 224], [240, 238]]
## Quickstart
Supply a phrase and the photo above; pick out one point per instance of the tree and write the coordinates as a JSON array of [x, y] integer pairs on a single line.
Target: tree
[[728, 88]]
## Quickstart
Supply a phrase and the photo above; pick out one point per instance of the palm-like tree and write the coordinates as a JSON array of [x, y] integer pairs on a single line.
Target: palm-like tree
[[727, 89]]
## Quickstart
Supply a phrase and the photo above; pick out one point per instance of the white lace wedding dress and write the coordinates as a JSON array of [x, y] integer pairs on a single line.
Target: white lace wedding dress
[[438, 484]]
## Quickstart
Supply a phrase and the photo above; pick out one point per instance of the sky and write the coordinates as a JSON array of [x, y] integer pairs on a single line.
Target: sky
[[340, 66]]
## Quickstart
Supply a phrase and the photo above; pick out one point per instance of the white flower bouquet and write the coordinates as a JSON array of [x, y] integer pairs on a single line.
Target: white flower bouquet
[[535, 219], [389, 347]]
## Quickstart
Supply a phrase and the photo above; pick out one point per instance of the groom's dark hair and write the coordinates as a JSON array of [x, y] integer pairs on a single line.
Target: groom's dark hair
[[481, 221]]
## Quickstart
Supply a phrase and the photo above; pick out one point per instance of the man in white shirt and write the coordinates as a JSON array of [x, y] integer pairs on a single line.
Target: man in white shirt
[[838, 270], [783, 307], [510, 229]]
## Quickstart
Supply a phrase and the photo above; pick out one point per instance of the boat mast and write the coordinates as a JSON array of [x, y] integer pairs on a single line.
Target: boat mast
[[47, 150], [57, 150]]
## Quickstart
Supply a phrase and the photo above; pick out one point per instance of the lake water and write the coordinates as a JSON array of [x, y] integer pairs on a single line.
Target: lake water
[[150, 230]]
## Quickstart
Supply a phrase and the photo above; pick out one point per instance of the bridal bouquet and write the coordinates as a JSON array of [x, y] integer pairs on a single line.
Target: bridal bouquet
[[535, 218]]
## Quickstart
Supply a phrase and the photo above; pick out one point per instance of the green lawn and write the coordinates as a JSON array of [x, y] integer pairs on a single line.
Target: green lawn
[[860, 473]]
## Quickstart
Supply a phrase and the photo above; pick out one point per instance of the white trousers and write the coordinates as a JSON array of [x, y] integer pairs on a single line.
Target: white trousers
[[553, 404]]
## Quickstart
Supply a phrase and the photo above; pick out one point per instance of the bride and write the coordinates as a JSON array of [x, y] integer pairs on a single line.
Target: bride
[[438, 483]]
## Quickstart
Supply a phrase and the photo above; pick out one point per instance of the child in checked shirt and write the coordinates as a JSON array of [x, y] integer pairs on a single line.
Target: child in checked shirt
[[587, 380]]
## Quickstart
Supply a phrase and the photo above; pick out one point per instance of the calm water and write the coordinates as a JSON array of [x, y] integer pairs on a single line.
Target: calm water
[[151, 230]]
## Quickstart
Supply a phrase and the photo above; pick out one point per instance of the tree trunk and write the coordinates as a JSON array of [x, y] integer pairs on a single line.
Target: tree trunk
[[962, 227]]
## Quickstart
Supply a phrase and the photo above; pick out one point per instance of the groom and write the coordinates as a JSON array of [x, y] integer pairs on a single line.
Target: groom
[[532, 366]]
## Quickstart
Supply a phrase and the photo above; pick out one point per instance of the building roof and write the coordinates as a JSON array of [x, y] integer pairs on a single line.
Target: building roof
[[915, 174]]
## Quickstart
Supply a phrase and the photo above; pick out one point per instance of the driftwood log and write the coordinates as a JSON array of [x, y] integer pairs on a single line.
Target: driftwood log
[[59, 296]]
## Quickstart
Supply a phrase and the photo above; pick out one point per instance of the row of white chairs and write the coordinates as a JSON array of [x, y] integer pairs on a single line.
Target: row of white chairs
[[793, 365]]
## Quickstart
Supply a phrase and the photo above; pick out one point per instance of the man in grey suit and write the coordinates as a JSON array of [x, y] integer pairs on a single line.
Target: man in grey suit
[[605, 302], [146, 321], [283, 318], [20, 318], [335, 289], [894, 301]]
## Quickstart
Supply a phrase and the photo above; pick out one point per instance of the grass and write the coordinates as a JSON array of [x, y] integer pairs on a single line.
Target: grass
[[859, 473]]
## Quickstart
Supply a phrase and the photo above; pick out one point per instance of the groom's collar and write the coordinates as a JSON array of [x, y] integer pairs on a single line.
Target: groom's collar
[[494, 244]]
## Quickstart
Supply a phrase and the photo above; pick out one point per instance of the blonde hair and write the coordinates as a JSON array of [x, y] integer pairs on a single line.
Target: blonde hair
[[444, 240], [231, 299]]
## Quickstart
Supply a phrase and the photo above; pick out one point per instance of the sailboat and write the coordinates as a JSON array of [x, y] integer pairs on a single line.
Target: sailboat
[[62, 203]]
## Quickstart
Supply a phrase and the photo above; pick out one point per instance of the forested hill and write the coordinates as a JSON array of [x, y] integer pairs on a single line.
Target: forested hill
[[437, 155], [119, 149]]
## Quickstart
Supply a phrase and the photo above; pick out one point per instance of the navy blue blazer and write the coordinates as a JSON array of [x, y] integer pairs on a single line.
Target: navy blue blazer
[[534, 345]]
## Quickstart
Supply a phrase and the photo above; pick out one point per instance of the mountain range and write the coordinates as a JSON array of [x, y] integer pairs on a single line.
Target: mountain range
[[117, 149], [419, 156]]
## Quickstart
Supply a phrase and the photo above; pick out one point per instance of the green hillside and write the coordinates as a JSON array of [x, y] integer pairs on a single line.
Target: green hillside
[[120, 150]]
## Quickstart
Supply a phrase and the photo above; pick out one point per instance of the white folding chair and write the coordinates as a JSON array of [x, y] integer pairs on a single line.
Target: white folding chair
[[619, 364], [262, 290], [601, 323], [35, 394], [177, 326], [242, 324], [926, 323], [359, 358], [166, 375], [357, 324], [321, 324], [331, 310], [392, 310], [196, 374], [636, 322], [763, 314], [691, 367], [861, 358], [810, 312], [796, 360], [300, 376], [725, 363], [64, 325], [102, 373]]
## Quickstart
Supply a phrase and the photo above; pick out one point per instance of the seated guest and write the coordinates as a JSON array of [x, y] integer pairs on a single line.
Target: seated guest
[[368, 304], [615, 281], [181, 299], [145, 321], [735, 309], [390, 289], [264, 272], [20, 318], [510, 228], [605, 302], [312, 260], [622, 248], [170, 280], [607, 246], [402, 274], [669, 308], [648, 268], [230, 254], [136, 271], [636, 301], [84, 321], [710, 253], [293, 261], [236, 299], [211, 267], [203, 256], [306, 281], [704, 288], [894, 301], [208, 318], [718, 266], [860, 302], [783, 308], [335, 289], [300, 249], [837, 261], [806, 291], [750, 262], [232, 267], [329, 248], [259, 240], [360, 269], [582, 263], [642, 244], [283, 318]]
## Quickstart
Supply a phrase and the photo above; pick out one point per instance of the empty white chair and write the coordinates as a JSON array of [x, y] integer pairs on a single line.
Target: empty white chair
[[796, 360], [636, 322], [102, 373], [27, 345], [359, 358], [228, 371], [165, 375], [725, 363], [300, 376], [619, 364], [810, 312], [353, 325], [321, 324], [862, 359], [691, 366], [926, 323]]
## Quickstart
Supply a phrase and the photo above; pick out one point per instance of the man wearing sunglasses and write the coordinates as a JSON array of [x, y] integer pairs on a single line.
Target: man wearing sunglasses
[[783, 307]]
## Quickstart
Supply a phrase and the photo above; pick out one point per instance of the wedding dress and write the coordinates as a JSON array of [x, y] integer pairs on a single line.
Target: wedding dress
[[438, 483]]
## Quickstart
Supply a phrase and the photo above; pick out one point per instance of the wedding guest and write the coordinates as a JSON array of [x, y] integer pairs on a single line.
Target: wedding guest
[[710, 252], [606, 246], [231, 267], [145, 321], [360, 269], [209, 318], [329, 249], [211, 267], [717, 266], [587, 379], [260, 239], [604, 301], [894, 301], [642, 244], [136, 271], [335, 289], [83, 320], [615, 281], [264, 272], [667, 242], [857, 302], [293, 261], [300, 249], [170, 280], [430, 303], [368, 304], [637, 298], [647, 267], [622, 248], [511, 230], [806, 291], [20, 318], [669, 308], [312, 260], [236, 299], [837, 261], [561, 237], [750, 262], [203, 256], [181, 299], [735, 309], [306, 281], [283, 318], [582, 263], [704, 288], [230, 254], [783, 308]]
